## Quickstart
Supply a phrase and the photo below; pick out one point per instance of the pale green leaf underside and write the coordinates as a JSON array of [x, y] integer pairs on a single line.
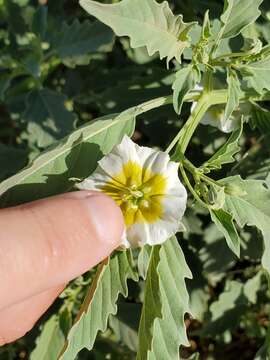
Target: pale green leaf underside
[[186, 79], [257, 74], [162, 328], [143, 260], [50, 342], [248, 201], [75, 156], [99, 304], [225, 154], [146, 23], [234, 93], [224, 222], [238, 15]]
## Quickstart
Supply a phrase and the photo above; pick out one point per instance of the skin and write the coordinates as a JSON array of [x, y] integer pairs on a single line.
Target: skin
[[45, 244]]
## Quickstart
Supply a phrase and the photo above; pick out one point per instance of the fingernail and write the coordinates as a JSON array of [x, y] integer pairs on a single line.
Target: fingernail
[[106, 218]]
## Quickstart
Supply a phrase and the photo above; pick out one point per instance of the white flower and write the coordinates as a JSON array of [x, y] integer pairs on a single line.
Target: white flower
[[215, 115], [145, 184]]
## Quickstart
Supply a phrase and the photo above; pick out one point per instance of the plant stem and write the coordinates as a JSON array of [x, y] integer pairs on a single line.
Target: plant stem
[[185, 134], [190, 187], [215, 97], [196, 172]]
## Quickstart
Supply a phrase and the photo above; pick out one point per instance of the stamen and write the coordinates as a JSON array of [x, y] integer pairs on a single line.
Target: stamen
[[144, 203], [133, 206], [136, 193]]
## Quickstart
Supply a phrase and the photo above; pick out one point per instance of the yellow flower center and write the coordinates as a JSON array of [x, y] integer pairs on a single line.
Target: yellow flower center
[[139, 193]]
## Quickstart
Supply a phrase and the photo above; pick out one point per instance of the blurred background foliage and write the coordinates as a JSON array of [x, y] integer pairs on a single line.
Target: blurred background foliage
[[60, 69]]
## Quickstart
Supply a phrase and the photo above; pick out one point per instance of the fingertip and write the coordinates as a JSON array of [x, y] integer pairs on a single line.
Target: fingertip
[[106, 218], [52, 241]]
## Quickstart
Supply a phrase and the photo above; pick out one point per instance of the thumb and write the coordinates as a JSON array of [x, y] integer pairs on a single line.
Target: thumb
[[48, 242]]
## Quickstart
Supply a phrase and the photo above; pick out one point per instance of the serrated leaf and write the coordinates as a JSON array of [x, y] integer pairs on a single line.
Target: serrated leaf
[[99, 304], [162, 328], [248, 201], [47, 117], [147, 23], [50, 341], [260, 119], [256, 74], [143, 260], [49, 174], [237, 15], [224, 222], [74, 42], [185, 81], [225, 313], [234, 93], [225, 154]]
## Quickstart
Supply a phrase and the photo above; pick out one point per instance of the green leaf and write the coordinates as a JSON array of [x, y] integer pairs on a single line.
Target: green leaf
[[47, 116], [225, 313], [264, 351], [143, 260], [16, 21], [75, 156], [260, 119], [100, 303], [5, 81], [248, 201], [237, 15], [201, 49], [206, 27], [147, 23], [224, 222], [234, 93], [74, 42], [186, 79], [225, 154], [162, 328], [50, 342], [253, 286], [256, 74], [39, 23]]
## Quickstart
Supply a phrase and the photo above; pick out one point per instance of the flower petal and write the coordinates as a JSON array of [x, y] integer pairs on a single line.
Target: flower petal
[[145, 183]]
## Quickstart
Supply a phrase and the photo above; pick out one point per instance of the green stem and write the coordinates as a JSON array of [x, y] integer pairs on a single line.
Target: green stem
[[196, 173], [164, 100], [190, 187], [185, 134], [215, 97]]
